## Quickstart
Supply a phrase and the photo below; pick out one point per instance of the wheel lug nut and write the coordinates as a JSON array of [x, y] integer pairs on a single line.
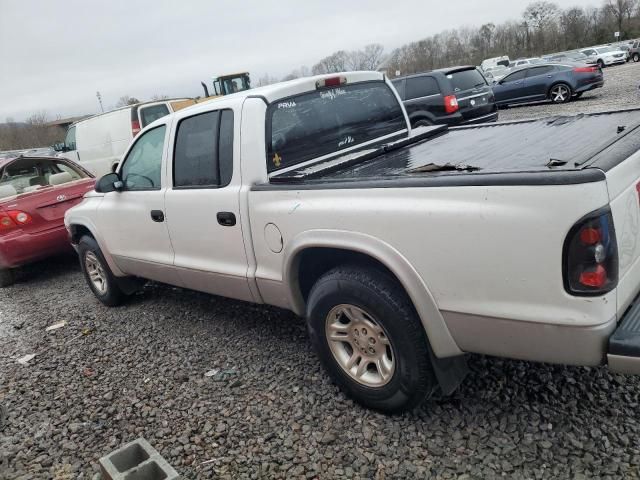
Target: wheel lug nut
[[372, 340], [364, 331]]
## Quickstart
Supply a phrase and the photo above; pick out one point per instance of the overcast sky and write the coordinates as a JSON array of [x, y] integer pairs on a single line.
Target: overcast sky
[[55, 54]]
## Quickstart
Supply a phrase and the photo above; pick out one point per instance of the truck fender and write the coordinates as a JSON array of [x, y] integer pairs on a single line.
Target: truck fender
[[88, 225], [442, 343]]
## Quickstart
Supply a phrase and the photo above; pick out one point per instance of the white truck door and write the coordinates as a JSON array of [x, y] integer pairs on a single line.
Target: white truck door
[[132, 221], [202, 205]]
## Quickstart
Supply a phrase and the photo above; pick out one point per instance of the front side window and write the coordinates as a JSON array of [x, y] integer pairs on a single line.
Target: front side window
[[325, 121], [515, 76], [421, 87], [70, 139], [399, 86], [151, 114], [142, 168], [203, 154]]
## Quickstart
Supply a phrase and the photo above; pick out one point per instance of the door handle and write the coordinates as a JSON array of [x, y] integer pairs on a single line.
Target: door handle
[[157, 215], [226, 219]]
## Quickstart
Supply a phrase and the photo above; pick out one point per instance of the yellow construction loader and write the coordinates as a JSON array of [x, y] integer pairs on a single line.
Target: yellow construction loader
[[222, 85]]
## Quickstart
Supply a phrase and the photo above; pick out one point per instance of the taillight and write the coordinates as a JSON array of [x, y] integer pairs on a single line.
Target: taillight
[[331, 82], [135, 127], [13, 219], [586, 69], [451, 104], [590, 255], [6, 223]]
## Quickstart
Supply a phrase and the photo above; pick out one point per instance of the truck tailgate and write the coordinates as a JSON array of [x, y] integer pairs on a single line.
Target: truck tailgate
[[623, 182]]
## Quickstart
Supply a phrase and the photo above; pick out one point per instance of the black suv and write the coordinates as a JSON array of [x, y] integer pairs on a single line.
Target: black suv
[[451, 96]]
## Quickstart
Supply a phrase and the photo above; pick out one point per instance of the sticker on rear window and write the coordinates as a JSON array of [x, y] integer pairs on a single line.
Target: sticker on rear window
[[290, 104], [332, 94]]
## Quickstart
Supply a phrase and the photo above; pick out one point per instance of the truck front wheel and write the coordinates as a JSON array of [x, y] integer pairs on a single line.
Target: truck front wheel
[[370, 339], [97, 273]]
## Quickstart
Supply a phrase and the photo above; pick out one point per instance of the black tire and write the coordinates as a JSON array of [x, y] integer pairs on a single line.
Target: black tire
[[113, 295], [636, 57], [385, 301], [601, 64], [566, 98], [422, 123], [7, 277]]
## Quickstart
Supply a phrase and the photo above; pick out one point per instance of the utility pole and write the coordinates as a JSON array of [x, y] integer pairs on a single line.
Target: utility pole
[[100, 101]]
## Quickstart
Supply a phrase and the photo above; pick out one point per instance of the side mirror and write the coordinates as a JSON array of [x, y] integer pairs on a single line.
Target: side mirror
[[109, 183]]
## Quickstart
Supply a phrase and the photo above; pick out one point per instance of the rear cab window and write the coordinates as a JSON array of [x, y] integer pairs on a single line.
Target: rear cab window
[[325, 121], [466, 80], [152, 113]]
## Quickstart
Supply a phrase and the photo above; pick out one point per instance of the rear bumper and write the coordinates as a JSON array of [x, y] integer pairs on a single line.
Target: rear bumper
[[623, 354], [19, 248]]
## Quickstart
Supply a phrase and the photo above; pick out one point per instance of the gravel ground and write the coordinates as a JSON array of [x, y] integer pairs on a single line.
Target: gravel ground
[[620, 90], [267, 410]]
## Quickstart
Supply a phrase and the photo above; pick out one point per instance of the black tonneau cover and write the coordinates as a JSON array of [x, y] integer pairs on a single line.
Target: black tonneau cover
[[562, 143]]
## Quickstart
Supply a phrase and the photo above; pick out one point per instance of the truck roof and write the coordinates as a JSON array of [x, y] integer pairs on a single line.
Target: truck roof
[[277, 91]]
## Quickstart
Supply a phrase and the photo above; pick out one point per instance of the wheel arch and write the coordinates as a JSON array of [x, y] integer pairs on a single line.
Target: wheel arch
[[81, 227], [313, 253]]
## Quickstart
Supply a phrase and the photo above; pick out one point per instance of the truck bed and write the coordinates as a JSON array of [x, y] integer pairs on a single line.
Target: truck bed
[[565, 145]]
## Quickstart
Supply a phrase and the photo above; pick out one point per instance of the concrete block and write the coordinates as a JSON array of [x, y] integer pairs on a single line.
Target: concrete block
[[136, 460]]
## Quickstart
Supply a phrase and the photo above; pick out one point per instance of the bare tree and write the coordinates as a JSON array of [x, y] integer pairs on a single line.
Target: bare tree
[[336, 62], [125, 100], [621, 11]]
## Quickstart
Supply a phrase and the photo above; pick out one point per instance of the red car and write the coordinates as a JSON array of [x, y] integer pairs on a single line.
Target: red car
[[35, 193]]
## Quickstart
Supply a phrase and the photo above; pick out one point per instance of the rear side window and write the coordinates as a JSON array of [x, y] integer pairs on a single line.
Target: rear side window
[[203, 155], [466, 80], [421, 87], [534, 72], [325, 121], [151, 114]]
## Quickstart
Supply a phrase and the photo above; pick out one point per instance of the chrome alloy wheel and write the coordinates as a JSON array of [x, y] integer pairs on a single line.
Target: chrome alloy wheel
[[96, 272], [360, 345], [560, 93]]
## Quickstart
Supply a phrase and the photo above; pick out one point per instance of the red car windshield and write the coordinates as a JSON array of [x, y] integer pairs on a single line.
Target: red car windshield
[[26, 175]]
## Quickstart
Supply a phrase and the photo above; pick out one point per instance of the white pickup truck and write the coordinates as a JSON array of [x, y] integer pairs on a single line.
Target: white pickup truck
[[404, 249]]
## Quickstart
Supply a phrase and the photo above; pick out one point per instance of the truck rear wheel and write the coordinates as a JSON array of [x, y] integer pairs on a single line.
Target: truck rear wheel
[[7, 277], [97, 273], [370, 339]]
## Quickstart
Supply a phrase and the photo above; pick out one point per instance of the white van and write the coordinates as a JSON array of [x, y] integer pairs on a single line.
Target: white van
[[97, 143], [494, 62]]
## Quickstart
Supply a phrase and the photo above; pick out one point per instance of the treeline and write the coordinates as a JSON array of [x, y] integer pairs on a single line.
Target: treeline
[[34, 132], [543, 28]]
